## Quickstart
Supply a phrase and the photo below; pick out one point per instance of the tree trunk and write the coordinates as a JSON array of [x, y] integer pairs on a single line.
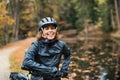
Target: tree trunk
[[117, 14], [86, 36], [6, 34], [16, 17], [112, 19]]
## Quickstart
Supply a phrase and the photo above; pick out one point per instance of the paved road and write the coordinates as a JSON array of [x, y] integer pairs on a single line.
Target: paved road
[[4, 62]]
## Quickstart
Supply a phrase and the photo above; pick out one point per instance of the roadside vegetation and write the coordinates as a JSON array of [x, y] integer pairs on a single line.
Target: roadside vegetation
[[17, 56]]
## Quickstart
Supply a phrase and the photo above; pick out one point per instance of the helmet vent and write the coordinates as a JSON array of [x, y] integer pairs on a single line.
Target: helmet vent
[[46, 19], [43, 21], [51, 19]]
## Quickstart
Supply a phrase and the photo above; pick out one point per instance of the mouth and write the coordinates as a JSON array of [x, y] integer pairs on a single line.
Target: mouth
[[50, 35]]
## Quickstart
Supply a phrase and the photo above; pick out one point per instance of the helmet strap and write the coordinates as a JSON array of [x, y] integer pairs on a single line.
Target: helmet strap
[[43, 36], [42, 29], [56, 28]]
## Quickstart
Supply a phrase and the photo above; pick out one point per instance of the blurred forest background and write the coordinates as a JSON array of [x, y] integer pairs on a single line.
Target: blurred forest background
[[90, 27]]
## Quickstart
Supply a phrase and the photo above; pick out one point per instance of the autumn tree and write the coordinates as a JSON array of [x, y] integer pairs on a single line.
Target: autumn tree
[[5, 22]]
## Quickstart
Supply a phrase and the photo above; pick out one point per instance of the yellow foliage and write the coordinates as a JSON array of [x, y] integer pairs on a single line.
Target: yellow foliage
[[2, 4], [56, 16], [3, 10], [101, 1], [27, 11], [28, 17], [4, 18], [53, 7]]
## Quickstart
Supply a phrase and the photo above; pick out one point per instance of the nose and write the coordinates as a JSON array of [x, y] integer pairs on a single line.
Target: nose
[[49, 30]]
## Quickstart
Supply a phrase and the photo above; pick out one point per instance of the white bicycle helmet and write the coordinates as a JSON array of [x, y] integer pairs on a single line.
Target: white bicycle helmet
[[46, 21]]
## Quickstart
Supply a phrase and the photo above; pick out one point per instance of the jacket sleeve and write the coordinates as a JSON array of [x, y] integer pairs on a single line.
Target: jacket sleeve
[[29, 62], [66, 61]]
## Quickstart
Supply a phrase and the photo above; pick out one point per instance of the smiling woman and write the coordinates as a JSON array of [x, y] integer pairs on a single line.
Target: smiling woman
[[49, 32], [44, 55], [47, 29]]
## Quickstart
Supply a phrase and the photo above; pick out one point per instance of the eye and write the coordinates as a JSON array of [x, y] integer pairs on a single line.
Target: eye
[[53, 27], [46, 28]]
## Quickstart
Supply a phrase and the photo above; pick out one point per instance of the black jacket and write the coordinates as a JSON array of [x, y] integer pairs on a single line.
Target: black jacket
[[44, 57]]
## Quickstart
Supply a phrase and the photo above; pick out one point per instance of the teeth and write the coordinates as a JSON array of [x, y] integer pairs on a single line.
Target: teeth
[[50, 34]]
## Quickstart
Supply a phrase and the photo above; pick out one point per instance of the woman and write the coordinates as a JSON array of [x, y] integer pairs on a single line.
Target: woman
[[44, 55]]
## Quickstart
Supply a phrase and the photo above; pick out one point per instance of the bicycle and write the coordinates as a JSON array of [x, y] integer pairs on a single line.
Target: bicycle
[[22, 76]]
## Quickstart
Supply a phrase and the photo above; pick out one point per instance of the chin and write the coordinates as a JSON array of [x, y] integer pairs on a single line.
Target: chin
[[51, 38]]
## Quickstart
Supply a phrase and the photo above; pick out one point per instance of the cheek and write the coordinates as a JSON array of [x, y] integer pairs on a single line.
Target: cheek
[[44, 32], [55, 31]]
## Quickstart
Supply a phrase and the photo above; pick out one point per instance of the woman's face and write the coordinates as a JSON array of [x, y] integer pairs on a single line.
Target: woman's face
[[49, 32]]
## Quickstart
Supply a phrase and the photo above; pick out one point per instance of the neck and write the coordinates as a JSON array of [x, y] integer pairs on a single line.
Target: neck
[[45, 40]]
